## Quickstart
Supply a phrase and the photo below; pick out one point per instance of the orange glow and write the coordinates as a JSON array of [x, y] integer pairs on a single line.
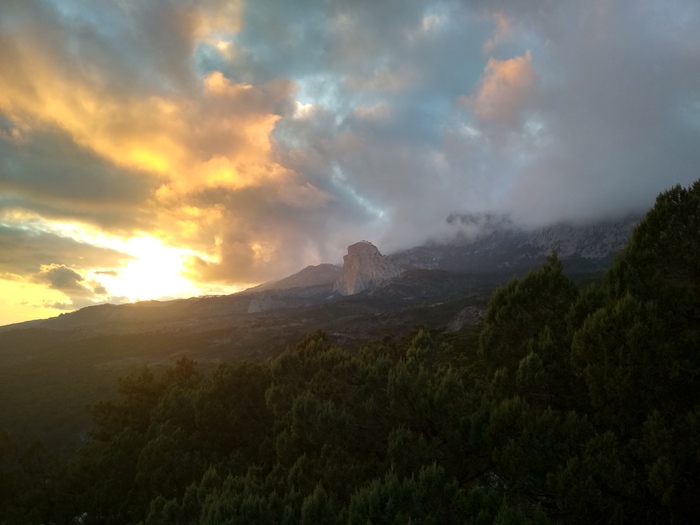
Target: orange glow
[[216, 135], [504, 87], [148, 160], [262, 251], [157, 134], [155, 271], [20, 301]]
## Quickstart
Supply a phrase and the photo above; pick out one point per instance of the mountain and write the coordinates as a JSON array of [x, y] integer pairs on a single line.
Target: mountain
[[441, 286], [489, 249], [289, 298], [495, 248], [318, 275], [364, 267], [496, 245]]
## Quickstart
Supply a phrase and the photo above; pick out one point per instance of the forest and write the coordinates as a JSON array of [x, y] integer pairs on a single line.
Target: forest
[[567, 404]]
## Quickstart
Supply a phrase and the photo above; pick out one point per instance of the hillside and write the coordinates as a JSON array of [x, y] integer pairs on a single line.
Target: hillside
[[93, 346], [558, 403]]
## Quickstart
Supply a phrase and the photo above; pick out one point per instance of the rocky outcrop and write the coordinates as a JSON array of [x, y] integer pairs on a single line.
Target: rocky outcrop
[[364, 267]]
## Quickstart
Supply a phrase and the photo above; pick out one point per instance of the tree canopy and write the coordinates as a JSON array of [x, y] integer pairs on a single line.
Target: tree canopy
[[566, 405]]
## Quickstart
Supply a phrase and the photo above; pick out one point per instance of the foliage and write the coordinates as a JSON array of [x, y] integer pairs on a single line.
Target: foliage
[[565, 406]]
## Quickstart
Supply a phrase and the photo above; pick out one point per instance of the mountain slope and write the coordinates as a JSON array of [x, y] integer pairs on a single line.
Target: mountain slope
[[501, 246], [310, 276]]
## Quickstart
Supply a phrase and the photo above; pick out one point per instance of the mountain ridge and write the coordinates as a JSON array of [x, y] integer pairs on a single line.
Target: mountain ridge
[[499, 247], [312, 275]]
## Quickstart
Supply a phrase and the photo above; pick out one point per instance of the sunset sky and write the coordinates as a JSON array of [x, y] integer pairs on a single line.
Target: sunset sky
[[172, 148]]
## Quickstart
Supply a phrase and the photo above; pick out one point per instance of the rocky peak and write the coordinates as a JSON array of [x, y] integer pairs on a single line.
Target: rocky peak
[[364, 267]]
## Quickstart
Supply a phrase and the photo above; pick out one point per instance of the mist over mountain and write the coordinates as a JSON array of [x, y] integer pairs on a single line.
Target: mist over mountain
[[491, 242]]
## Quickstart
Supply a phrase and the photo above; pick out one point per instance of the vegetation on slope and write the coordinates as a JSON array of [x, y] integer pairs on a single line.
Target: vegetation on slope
[[568, 405]]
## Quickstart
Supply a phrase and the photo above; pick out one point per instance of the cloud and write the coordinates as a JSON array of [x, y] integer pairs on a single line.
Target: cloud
[[262, 232], [504, 91], [64, 279], [48, 174], [80, 291], [30, 256], [260, 137], [24, 250], [502, 30], [612, 119], [84, 144], [182, 130], [111, 273]]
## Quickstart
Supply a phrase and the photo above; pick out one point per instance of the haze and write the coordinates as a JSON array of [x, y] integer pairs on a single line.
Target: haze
[[154, 149]]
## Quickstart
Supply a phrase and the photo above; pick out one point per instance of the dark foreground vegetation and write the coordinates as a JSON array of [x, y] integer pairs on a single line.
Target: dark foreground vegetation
[[567, 405]]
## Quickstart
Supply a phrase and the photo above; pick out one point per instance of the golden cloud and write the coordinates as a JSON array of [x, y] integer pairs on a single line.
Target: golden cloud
[[216, 136], [504, 90], [213, 133]]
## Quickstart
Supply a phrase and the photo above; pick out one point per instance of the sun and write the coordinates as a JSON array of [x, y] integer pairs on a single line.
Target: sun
[[156, 271]]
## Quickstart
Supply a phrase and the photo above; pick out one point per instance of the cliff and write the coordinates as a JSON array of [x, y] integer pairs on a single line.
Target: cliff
[[364, 267]]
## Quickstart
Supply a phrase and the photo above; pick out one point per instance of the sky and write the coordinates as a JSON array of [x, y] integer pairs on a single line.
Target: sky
[[155, 149]]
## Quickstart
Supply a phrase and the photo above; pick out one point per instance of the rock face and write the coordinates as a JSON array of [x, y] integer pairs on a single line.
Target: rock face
[[363, 268]]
